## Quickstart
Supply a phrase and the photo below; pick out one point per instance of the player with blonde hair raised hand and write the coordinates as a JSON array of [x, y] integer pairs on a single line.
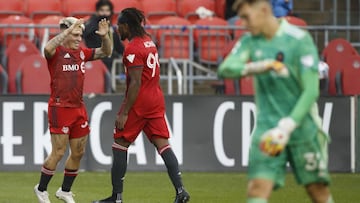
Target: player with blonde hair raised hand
[[284, 62], [68, 120]]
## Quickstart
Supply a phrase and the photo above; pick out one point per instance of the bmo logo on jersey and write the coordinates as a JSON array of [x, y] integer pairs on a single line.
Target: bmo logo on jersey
[[74, 67]]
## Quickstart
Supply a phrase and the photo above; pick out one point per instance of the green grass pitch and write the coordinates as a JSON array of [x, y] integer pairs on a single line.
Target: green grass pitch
[[155, 187]]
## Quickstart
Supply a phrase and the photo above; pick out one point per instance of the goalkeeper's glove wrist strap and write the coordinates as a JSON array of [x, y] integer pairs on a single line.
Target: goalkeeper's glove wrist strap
[[287, 124]]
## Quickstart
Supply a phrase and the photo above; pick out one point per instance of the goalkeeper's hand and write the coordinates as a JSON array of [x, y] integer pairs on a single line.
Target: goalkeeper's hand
[[273, 141]]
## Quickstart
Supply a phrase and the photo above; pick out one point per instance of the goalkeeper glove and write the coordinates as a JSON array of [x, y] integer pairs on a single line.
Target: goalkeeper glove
[[273, 141]]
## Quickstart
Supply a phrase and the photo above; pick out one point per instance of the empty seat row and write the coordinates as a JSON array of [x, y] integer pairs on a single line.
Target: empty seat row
[[153, 9]]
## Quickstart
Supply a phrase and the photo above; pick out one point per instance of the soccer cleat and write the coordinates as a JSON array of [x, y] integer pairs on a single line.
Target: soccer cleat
[[182, 197], [112, 199], [67, 197], [43, 197]]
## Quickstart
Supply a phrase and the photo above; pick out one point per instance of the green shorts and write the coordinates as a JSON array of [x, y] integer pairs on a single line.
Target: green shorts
[[307, 159]]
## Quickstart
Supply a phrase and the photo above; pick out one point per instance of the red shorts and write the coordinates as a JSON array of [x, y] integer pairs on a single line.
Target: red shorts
[[152, 127], [71, 121]]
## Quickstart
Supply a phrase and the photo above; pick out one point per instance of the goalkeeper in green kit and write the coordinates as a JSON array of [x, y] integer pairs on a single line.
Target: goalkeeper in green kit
[[283, 60]]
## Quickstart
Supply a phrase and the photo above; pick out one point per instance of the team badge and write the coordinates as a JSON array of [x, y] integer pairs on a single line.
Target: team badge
[[82, 55], [280, 56], [65, 130]]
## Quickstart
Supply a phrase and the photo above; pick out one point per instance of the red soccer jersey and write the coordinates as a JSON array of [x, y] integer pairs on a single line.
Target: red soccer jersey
[[67, 69], [142, 52]]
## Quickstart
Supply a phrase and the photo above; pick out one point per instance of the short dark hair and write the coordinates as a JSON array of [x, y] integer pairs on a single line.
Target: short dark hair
[[101, 3], [240, 3]]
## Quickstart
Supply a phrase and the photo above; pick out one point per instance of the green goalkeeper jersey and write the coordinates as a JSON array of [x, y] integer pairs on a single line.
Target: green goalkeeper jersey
[[279, 96]]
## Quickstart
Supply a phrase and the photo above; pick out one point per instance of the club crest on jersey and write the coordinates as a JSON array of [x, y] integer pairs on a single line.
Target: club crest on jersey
[[82, 55], [65, 130], [280, 56]]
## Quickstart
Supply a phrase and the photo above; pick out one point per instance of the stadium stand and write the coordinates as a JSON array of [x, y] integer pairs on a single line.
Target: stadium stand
[[78, 8], [33, 76], [238, 32], [38, 9], [210, 42], [3, 80], [13, 7], [334, 55], [51, 20], [156, 9], [220, 8], [174, 42], [296, 21], [350, 83], [97, 78], [120, 5], [187, 8], [15, 53], [10, 33]]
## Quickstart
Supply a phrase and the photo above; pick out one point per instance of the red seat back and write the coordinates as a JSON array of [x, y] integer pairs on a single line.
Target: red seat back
[[187, 8], [8, 34], [78, 8], [351, 75], [211, 41], [296, 21], [155, 10], [246, 86], [38, 9], [51, 21], [16, 51], [121, 5], [33, 76], [174, 42], [96, 77], [13, 7], [334, 55]]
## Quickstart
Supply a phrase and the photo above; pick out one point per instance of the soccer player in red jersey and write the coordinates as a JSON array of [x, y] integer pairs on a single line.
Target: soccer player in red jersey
[[68, 120], [143, 108]]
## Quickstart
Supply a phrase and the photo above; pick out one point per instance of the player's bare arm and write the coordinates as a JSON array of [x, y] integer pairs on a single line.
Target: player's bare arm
[[106, 46], [51, 46], [133, 91]]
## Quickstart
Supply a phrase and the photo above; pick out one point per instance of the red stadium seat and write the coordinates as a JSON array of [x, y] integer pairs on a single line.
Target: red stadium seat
[[9, 33], [13, 7], [350, 75], [38, 9], [296, 21], [49, 21], [174, 42], [230, 87], [220, 8], [78, 8], [246, 86], [211, 41], [119, 5], [3, 80], [16, 51], [97, 78], [334, 55], [238, 33], [187, 8], [156, 9], [33, 76]]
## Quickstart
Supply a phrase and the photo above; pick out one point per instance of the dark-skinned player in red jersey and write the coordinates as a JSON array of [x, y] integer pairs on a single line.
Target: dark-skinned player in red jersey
[[68, 120], [143, 108]]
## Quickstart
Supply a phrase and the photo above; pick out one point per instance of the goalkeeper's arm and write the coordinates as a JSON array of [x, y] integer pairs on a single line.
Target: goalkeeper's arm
[[236, 63]]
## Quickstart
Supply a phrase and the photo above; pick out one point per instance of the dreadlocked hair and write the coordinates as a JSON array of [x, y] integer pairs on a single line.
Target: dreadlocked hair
[[136, 21]]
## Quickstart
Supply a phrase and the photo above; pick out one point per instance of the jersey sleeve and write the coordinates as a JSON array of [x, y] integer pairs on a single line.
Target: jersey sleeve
[[307, 61], [234, 63], [133, 57], [89, 53]]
